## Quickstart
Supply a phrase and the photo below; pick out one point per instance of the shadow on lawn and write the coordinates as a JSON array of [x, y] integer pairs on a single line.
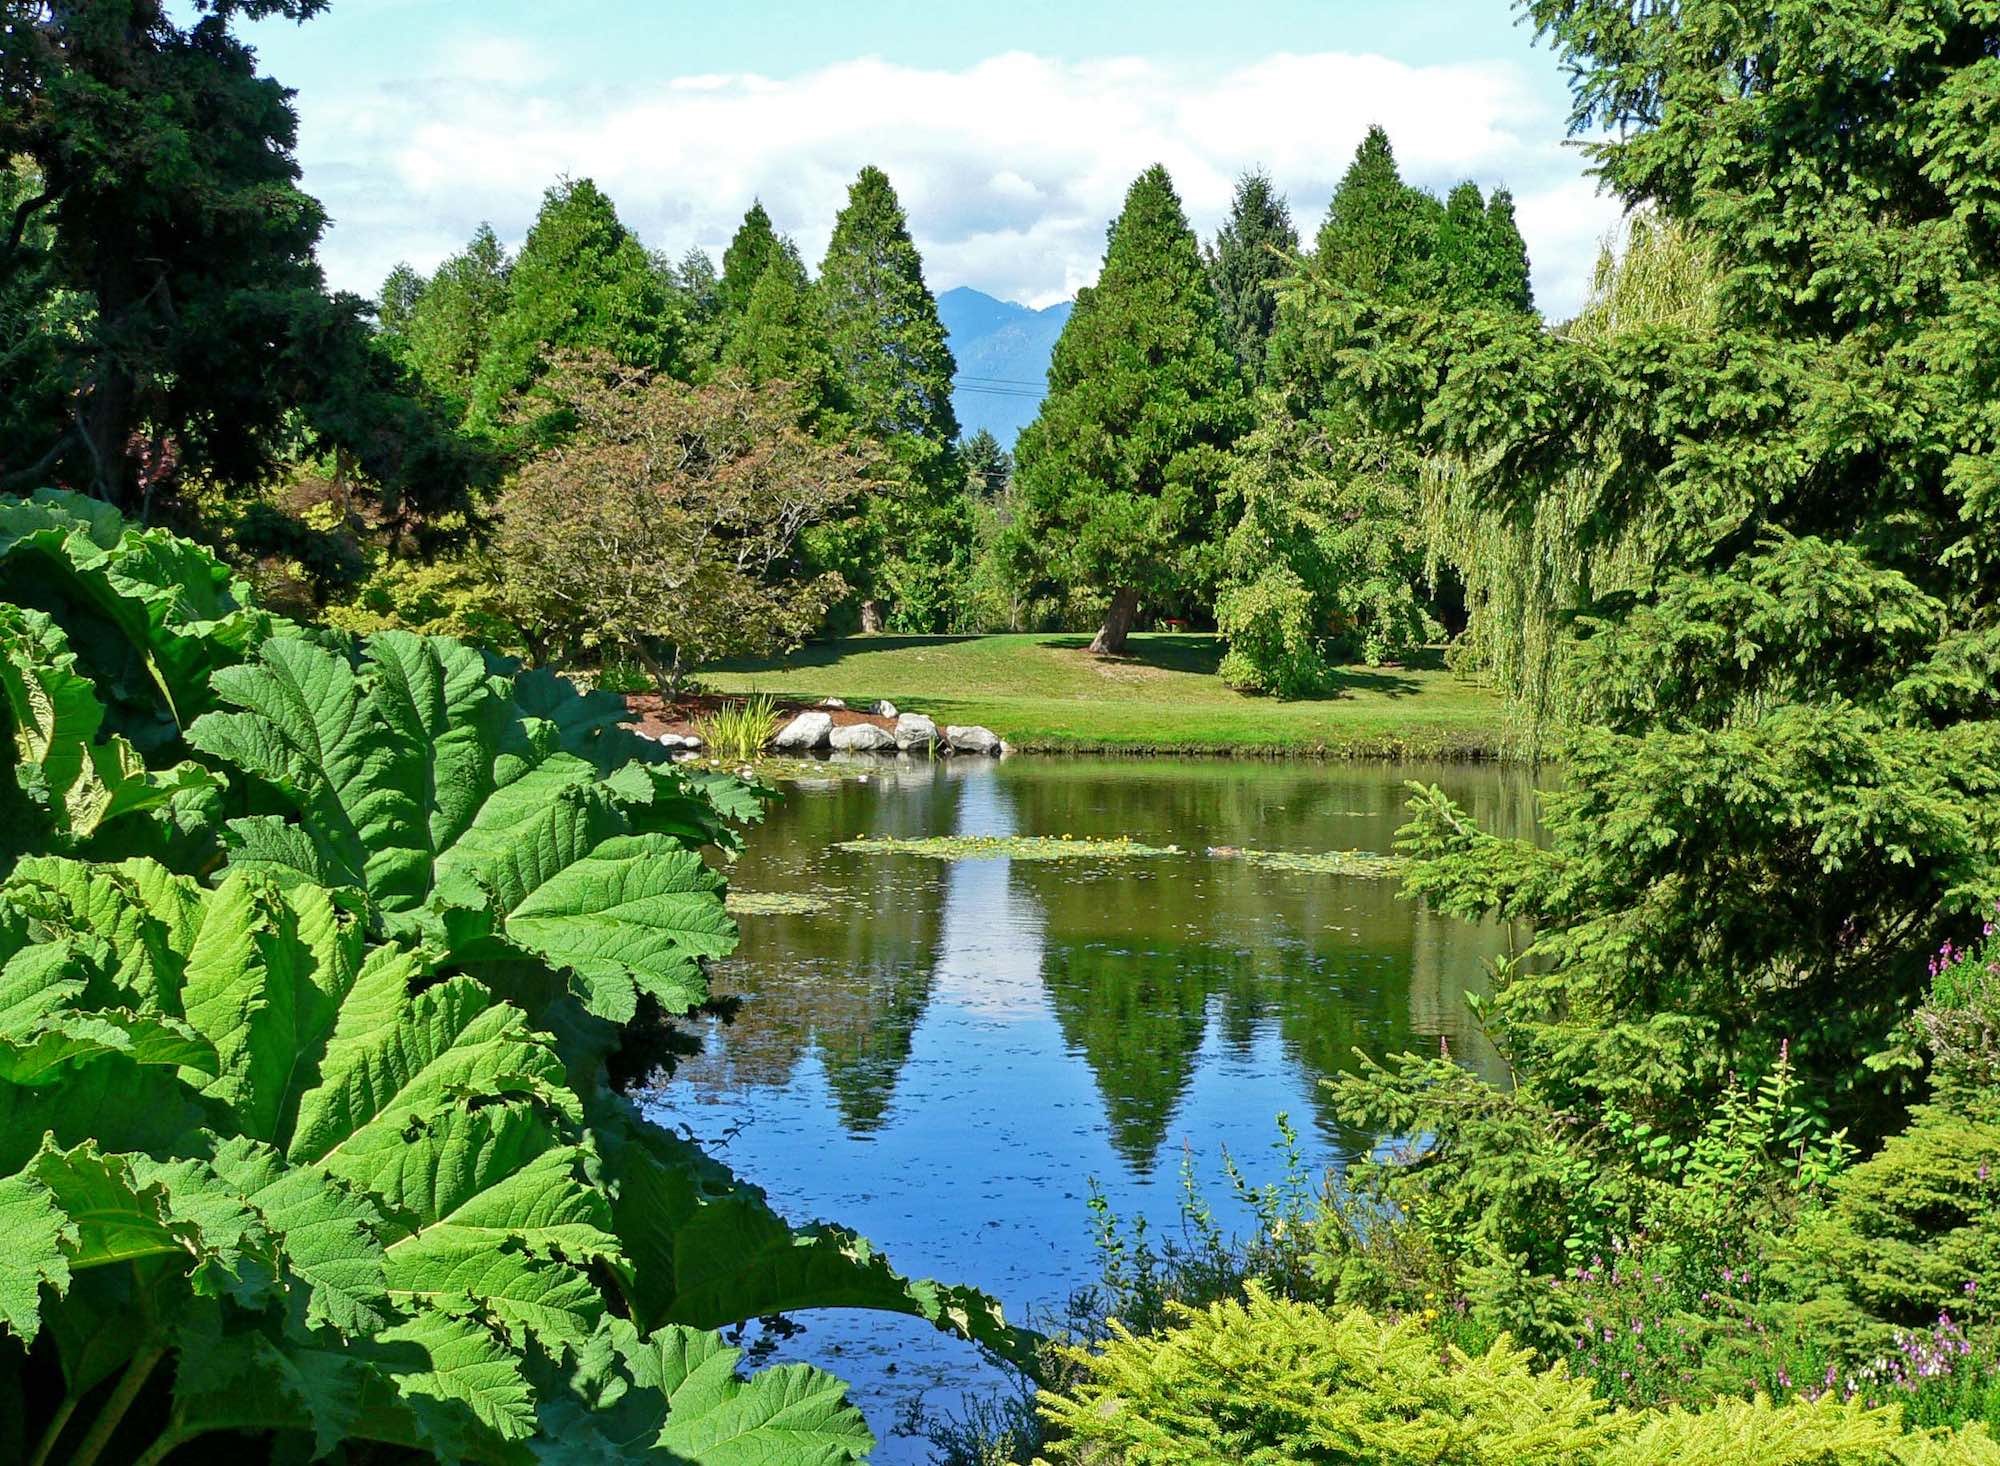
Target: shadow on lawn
[[1200, 654]]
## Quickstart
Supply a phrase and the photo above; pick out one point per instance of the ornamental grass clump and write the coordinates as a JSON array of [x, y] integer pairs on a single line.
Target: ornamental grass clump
[[739, 731]]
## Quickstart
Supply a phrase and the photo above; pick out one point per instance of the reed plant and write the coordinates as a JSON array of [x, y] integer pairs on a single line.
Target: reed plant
[[740, 730]]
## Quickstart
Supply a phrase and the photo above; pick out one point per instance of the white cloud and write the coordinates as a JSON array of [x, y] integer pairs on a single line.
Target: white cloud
[[1009, 168]]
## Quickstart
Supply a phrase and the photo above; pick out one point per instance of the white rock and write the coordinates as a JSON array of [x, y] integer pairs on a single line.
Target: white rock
[[915, 731], [804, 733], [831, 702], [973, 740], [679, 740], [862, 738], [884, 709]]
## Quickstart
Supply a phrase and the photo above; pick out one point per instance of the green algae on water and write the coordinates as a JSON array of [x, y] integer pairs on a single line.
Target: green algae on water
[[779, 903], [1007, 847], [1365, 864]]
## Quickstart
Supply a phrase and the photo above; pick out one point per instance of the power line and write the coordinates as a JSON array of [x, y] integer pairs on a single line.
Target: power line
[[999, 392]]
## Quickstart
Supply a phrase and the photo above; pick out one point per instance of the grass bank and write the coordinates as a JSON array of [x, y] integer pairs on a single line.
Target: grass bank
[[1047, 694]]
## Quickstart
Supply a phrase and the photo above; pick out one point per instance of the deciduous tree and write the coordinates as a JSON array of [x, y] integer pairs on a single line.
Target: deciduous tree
[[666, 524]]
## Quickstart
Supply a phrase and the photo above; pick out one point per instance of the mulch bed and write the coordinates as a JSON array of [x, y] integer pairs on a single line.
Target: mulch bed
[[653, 715]]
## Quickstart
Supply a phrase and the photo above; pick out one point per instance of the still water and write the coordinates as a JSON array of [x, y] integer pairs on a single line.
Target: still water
[[946, 1056]]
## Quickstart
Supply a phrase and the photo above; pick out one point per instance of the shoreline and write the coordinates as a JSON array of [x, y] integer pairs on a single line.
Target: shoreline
[[1045, 695]]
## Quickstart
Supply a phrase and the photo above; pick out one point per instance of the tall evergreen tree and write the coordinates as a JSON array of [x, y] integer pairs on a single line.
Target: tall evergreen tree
[[1506, 281], [988, 466], [1786, 792], [693, 275], [782, 338], [1121, 473], [451, 325], [1251, 254], [1478, 256], [896, 370], [1380, 234], [397, 301], [582, 282], [164, 173], [753, 249]]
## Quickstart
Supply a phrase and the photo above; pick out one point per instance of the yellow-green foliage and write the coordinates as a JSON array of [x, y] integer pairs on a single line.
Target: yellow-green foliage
[[1824, 1432], [1267, 1382], [458, 596]]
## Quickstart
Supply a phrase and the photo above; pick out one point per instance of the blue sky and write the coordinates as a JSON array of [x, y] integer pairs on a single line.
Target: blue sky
[[1010, 130]]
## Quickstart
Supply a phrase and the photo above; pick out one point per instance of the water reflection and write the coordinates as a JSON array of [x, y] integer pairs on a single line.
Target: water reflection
[[944, 1056], [1136, 961]]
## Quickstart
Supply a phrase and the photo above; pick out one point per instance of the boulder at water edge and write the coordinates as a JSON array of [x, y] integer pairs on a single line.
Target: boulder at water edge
[[862, 738], [974, 740], [915, 732], [804, 733]]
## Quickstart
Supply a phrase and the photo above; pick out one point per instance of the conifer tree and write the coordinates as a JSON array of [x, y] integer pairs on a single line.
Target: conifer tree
[[1785, 792], [1120, 475], [156, 224], [1479, 257], [397, 300], [753, 249], [782, 338], [693, 275], [451, 325], [582, 282], [1251, 254], [895, 370], [1380, 234], [1506, 280]]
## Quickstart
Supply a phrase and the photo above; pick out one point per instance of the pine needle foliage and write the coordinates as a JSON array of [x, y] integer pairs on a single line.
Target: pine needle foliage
[[1785, 784]]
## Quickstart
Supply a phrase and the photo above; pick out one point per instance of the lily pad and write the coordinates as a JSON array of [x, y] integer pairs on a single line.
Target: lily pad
[[1366, 864], [1007, 847]]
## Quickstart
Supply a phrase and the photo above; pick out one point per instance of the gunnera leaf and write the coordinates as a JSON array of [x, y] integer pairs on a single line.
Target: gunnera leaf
[[418, 777]]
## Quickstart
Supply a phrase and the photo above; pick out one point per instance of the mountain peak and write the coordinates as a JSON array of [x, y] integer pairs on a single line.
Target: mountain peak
[[1002, 349]]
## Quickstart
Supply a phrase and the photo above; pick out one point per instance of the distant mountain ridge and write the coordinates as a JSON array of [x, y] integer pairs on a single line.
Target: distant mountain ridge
[[1003, 351]]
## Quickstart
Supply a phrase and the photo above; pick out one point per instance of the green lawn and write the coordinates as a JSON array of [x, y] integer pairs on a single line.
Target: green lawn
[[1047, 693]]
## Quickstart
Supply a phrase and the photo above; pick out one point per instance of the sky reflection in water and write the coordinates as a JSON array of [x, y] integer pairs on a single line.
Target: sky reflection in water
[[945, 1055]]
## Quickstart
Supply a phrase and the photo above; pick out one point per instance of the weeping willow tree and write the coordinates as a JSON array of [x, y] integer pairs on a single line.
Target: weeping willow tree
[[1533, 570]]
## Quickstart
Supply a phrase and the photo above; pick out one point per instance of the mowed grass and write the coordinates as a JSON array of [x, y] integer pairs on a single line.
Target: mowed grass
[[1046, 693]]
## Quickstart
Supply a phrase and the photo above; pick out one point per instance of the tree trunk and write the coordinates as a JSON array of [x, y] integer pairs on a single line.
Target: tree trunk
[[871, 615], [1118, 616]]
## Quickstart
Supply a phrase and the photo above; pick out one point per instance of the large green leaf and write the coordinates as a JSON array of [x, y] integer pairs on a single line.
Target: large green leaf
[[420, 779], [72, 778], [406, 1163], [36, 1237], [149, 615], [675, 1395]]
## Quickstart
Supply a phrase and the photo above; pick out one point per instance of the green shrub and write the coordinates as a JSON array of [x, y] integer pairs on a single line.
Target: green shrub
[[1273, 642], [1264, 1382], [1268, 1381]]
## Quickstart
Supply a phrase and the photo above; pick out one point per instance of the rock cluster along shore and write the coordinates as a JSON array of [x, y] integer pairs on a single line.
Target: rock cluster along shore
[[814, 731]]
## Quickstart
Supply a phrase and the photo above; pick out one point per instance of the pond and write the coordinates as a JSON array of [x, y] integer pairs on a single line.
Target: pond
[[946, 1055]]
